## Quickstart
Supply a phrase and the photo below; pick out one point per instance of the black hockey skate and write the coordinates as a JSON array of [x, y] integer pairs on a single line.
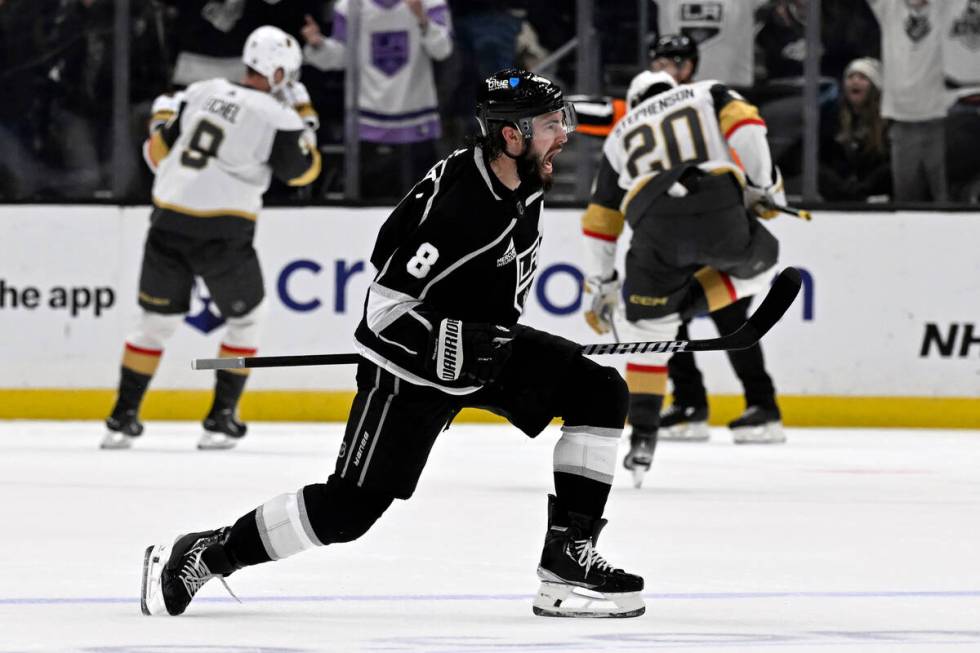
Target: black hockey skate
[[758, 425], [578, 582], [222, 430], [121, 428], [172, 574], [681, 423], [642, 444]]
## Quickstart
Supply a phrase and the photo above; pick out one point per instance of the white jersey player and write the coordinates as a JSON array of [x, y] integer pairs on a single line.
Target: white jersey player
[[215, 148], [678, 168]]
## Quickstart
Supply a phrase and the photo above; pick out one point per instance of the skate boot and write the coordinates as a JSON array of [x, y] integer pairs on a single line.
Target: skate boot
[[173, 573], [640, 456], [222, 430], [684, 424], [122, 427], [578, 582], [758, 425]]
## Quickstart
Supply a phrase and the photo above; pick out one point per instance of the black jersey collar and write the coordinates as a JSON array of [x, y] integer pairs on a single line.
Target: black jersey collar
[[525, 193]]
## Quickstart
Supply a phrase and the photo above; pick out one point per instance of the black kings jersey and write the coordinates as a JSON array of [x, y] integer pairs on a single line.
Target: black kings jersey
[[460, 245]]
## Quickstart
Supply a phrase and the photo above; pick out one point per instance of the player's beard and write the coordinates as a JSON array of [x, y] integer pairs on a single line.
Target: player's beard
[[530, 169]]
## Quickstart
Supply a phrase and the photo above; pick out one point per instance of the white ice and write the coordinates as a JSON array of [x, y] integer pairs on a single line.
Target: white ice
[[846, 540]]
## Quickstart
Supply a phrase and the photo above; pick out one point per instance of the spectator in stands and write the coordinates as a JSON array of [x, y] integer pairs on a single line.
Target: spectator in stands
[[399, 116], [22, 29], [914, 97], [211, 33], [486, 34], [79, 126], [723, 31], [209, 40], [847, 32], [484, 41], [961, 63], [854, 160]]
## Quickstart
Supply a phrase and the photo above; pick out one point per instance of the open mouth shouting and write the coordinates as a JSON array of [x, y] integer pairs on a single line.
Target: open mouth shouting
[[548, 162]]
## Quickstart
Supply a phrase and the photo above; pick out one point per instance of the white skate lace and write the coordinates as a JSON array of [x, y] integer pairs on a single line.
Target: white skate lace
[[589, 557], [195, 573]]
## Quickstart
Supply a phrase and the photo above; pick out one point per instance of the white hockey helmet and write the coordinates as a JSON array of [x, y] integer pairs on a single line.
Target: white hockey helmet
[[268, 49], [647, 84]]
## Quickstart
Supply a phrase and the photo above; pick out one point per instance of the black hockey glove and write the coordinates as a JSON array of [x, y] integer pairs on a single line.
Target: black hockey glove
[[474, 351]]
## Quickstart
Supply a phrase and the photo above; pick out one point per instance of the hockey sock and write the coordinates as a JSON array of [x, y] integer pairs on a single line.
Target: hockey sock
[[220, 560], [132, 387], [645, 411], [228, 389], [584, 462], [244, 544], [574, 493]]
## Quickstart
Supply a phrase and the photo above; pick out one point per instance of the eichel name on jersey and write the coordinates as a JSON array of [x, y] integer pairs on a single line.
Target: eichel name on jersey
[[227, 141], [460, 241]]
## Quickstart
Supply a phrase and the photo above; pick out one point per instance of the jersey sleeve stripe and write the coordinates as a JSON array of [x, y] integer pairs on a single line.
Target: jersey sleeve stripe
[[311, 173], [385, 306], [593, 234], [748, 121], [602, 222], [156, 149], [305, 110]]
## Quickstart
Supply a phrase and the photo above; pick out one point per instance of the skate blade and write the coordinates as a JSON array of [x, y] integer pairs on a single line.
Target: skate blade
[[560, 600], [690, 432], [639, 473], [215, 441], [116, 440], [151, 593], [766, 434]]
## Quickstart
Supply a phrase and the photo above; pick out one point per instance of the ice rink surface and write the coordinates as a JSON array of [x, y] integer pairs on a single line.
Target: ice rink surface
[[845, 540]]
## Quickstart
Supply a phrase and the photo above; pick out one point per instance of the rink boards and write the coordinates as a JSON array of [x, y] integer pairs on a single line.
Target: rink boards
[[886, 332]]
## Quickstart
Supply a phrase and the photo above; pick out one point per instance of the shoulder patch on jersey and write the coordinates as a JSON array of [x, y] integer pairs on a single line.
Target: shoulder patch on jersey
[[509, 255]]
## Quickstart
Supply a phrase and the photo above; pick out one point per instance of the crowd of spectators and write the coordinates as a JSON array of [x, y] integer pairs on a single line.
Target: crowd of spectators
[[899, 87]]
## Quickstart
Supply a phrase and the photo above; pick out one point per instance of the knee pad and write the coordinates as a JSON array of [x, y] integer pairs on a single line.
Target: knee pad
[[243, 331], [154, 329], [339, 511], [597, 396]]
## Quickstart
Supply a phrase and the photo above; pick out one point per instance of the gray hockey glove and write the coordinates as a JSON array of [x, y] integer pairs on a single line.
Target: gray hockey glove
[[605, 299], [473, 351]]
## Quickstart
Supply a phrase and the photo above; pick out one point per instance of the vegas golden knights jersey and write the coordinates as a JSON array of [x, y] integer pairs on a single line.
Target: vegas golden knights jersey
[[217, 154], [704, 125], [687, 125]]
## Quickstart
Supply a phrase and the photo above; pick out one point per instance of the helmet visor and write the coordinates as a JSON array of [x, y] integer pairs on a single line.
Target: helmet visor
[[551, 123]]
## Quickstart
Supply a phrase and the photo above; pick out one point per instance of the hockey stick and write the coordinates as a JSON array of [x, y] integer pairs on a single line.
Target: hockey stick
[[774, 305], [802, 214]]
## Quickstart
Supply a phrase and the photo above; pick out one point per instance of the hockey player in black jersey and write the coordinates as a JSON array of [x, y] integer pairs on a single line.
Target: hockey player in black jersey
[[455, 263]]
